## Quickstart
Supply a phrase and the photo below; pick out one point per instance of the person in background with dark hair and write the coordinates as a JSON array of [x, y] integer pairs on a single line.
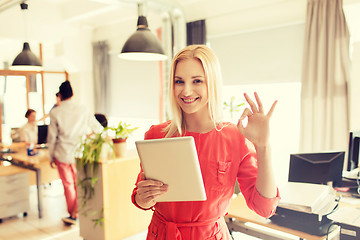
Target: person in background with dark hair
[[101, 119], [68, 123], [29, 132]]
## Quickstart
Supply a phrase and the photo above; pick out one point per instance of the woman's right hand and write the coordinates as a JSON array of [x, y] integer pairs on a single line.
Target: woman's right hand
[[148, 191]]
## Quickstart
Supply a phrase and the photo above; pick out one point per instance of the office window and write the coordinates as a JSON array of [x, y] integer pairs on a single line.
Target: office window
[[14, 100], [285, 122], [13, 95]]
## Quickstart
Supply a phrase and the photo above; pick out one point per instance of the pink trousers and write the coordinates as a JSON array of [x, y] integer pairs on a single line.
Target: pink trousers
[[67, 174]]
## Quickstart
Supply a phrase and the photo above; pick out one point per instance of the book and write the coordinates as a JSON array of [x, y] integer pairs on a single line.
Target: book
[[307, 197], [346, 215]]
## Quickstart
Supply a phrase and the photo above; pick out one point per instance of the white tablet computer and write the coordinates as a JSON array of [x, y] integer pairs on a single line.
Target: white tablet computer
[[173, 161]]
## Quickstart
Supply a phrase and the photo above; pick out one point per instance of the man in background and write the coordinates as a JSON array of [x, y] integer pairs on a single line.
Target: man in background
[[68, 123]]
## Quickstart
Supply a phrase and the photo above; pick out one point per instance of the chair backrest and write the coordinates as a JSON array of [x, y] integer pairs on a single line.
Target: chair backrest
[[15, 134]]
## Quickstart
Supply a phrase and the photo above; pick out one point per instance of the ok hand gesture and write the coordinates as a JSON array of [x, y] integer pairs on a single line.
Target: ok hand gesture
[[257, 130]]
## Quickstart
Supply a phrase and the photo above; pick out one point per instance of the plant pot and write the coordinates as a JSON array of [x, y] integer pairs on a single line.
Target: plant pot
[[106, 152], [120, 147]]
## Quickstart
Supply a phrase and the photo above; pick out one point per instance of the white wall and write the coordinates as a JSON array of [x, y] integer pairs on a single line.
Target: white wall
[[135, 89], [134, 84], [269, 55], [78, 61], [354, 88]]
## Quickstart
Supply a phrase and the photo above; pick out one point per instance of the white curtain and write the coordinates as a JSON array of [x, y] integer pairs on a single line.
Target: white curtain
[[325, 76], [101, 71]]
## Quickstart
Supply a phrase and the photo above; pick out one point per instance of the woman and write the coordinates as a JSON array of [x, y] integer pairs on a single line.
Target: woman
[[29, 131], [226, 153]]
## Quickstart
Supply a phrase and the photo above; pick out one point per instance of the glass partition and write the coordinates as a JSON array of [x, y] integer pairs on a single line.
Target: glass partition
[[20, 90]]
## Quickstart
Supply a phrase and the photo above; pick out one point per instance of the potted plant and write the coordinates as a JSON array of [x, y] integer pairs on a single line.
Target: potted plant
[[90, 152], [121, 134]]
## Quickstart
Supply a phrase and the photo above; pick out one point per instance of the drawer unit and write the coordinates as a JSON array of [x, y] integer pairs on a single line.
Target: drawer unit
[[14, 194], [14, 181], [14, 208]]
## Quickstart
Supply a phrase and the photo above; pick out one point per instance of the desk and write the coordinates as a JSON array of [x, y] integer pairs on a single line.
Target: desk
[[239, 214], [36, 164]]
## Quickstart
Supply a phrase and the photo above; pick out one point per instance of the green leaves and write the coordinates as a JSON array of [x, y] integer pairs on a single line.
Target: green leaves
[[123, 130], [88, 157], [232, 107]]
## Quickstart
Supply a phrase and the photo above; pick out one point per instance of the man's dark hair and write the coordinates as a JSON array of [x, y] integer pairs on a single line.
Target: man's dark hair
[[65, 90]]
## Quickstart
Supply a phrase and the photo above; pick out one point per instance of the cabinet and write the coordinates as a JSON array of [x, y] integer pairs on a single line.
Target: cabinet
[[14, 192], [113, 190]]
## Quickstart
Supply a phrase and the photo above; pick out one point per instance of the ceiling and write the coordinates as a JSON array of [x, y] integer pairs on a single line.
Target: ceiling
[[244, 14], [223, 17]]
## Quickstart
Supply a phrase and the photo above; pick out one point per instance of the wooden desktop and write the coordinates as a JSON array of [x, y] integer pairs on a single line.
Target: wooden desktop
[[239, 214]]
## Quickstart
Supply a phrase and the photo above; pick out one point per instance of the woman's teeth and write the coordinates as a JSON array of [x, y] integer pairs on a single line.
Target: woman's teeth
[[189, 100]]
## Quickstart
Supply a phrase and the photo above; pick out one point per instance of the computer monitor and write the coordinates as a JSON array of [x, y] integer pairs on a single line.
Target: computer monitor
[[42, 134], [319, 168], [353, 153]]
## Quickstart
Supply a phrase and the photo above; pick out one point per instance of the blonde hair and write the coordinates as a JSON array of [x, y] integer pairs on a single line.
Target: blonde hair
[[213, 77]]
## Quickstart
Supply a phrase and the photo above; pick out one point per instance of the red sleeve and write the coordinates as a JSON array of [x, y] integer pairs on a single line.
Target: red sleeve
[[247, 175], [135, 189]]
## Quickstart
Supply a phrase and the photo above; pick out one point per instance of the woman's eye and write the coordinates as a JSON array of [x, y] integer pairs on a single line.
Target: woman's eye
[[178, 81], [197, 81]]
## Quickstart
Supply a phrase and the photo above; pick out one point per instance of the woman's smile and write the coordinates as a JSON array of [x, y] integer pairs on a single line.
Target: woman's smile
[[189, 100]]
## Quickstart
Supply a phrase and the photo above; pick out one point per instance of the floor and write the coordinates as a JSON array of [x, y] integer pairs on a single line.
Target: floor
[[50, 226]]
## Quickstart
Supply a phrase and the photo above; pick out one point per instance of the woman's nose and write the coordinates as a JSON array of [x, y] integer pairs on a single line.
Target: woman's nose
[[187, 89]]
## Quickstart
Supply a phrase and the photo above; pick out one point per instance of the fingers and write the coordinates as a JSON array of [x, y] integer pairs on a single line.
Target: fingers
[[272, 109], [150, 195], [149, 183], [261, 108], [149, 190], [246, 113], [240, 126], [251, 103]]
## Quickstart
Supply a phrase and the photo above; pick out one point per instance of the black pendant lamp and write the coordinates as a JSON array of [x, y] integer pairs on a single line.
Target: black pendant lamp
[[142, 45], [26, 59]]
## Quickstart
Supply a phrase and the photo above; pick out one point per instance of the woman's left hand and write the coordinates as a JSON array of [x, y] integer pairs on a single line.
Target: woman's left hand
[[257, 130]]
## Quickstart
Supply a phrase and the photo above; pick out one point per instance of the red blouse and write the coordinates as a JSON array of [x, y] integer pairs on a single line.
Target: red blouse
[[224, 156]]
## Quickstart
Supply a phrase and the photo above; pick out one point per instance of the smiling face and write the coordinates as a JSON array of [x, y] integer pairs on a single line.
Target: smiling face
[[190, 87]]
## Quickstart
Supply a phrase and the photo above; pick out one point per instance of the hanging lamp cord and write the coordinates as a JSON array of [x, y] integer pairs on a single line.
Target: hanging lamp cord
[[24, 7]]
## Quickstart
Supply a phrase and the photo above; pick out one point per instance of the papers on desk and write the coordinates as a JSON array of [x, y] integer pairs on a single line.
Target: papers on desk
[[308, 198], [346, 215]]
